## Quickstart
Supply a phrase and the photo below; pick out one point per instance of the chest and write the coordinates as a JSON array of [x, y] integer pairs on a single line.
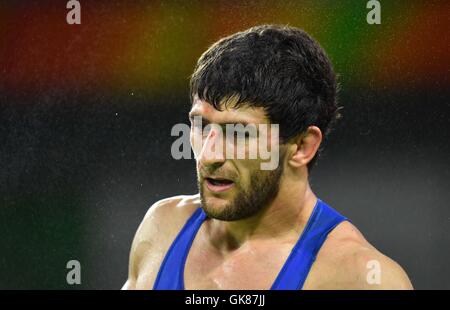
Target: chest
[[254, 266]]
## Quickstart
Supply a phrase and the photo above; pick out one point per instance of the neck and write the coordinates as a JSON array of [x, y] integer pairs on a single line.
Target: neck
[[283, 220]]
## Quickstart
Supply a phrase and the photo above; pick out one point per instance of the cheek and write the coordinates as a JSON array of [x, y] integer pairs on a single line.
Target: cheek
[[247, 168]]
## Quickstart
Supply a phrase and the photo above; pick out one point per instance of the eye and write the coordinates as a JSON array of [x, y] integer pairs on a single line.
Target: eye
[[196, 126], [206, 129], [242, 135]]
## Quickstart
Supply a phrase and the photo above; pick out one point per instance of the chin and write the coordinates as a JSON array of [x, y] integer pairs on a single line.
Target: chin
[[214, 206], [214, 203]]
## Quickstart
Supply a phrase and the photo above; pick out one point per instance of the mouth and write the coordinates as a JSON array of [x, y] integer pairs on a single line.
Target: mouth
[[218, 185]]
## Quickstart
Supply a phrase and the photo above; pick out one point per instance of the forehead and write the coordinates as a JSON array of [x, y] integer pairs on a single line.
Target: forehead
[[243, 114]]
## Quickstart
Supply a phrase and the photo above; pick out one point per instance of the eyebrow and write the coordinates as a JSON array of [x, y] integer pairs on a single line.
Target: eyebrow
[[193, 114], [206, 121]]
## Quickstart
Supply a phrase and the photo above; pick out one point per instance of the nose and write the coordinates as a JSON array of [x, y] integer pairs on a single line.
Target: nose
[[213, 150]]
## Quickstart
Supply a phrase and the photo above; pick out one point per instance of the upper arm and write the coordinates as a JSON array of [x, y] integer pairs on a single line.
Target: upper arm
[[144, 239], [153, 237], [367, 269], [348, 261], [372, 269], [381, 272]]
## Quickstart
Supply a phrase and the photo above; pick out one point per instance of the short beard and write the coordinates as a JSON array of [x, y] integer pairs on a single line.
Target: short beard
[[263, 188]]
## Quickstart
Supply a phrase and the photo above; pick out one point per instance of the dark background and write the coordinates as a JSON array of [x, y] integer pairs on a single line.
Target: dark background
[[84, 155]]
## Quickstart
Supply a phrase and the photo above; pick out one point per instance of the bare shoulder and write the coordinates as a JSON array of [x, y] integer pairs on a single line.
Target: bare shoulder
[[166, 215], [348, 261], [159, 227]]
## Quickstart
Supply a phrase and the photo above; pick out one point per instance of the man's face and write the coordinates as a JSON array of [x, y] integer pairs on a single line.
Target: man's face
[[230, 188]]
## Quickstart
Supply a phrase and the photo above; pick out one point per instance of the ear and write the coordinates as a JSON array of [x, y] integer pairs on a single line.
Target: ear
[[305, 146]]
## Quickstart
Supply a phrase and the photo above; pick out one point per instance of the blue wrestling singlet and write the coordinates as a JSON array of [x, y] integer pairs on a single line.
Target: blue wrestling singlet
[[294, 271]]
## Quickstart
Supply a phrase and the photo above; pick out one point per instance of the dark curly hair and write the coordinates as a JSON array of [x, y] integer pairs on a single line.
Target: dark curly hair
[[279, 68]]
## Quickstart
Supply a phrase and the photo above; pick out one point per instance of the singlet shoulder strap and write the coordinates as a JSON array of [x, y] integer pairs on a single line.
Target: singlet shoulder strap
[[170, 275], [295, 271]]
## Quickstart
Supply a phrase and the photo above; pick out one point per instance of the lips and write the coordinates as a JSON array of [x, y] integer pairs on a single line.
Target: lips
[[218, 185]]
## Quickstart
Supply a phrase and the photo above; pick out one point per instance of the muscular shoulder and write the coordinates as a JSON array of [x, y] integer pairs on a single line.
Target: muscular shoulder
[[347, 261], [155, 234], [165, 216]]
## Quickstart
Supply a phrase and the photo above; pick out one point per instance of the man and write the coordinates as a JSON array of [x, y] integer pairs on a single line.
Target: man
[[251, 228]]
